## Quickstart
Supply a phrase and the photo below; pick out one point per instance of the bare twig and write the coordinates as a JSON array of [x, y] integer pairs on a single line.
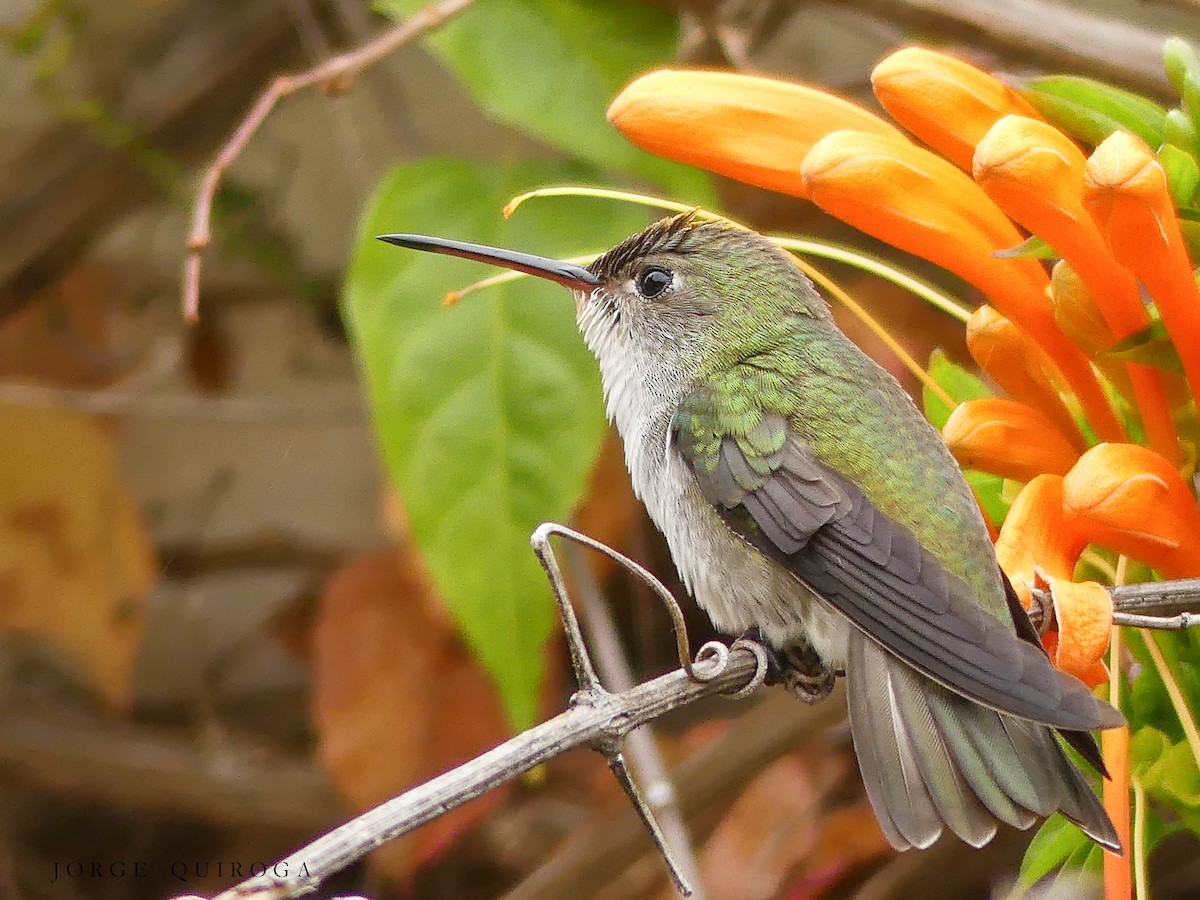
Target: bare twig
[[333, 72], [596, 718], [590, 721], [642, 748]]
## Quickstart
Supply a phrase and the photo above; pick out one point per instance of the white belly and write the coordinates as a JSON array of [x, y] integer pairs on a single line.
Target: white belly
[[737, 585]]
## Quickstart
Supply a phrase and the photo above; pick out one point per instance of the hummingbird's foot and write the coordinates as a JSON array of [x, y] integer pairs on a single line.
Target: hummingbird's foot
[[805, 674], [799, 668]]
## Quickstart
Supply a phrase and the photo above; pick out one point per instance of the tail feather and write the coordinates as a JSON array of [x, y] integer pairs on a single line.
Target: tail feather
[[932, 760], [899, 788]]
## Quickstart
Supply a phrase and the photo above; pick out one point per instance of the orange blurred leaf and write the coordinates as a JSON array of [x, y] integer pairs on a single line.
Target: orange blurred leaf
[[76, 562], [397, 698]]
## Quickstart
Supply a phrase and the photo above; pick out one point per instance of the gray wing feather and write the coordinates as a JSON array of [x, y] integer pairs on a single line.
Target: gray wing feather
[[872, 570]]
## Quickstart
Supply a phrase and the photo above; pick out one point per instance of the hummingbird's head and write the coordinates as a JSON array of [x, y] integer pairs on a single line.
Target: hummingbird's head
[[693, 290], [680, 297]]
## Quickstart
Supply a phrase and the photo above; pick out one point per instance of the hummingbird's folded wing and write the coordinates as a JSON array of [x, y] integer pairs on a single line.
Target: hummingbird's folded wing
[[774, 492]]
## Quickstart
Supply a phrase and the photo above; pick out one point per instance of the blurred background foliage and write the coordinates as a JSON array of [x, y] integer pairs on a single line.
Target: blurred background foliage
[[251, 581]]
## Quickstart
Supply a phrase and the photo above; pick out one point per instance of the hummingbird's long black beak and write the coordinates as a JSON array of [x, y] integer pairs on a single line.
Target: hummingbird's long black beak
[[565, 273]]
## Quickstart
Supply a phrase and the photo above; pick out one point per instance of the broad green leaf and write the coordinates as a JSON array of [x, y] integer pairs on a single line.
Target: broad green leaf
[[1173, 776], [1056, 842], [1033, 247], [489, 413], [1131, 111], [1183, 174], [1150, 346], [551, 68], [1146, 747]]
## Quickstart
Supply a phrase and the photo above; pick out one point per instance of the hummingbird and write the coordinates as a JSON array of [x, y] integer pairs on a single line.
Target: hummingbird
[[809, 504]]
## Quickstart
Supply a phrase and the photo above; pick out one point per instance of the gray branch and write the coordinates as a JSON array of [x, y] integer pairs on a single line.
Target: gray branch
[[601, 720], [595, 718]]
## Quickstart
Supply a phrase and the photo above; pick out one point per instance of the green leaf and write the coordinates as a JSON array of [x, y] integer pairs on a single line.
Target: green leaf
[[961, 385], [956, 381], [1146, 747], [1089, 125], [1183, 174], [489, 413], [1173, 777], [1130, 111], [1189, 224], [1183, 69], [551, 68], [1055, 843], [1180, 130], [1033, 247], [1150, 346]]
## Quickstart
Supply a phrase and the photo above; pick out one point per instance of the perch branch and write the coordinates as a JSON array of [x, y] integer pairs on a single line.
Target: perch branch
[[644, 755], [595, 718], [1176, 602], [334, 72]]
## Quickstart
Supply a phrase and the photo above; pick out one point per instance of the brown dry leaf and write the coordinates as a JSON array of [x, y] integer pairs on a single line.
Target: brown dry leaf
[[63, 335], [397, 698], [76, 562], [850, 836], [772, 826]]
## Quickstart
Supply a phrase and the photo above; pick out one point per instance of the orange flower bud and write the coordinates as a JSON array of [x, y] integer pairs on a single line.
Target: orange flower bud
[[1018, 366], [1125, 190], [920, 203], [1007, 438], [947, 103], [1130, 499], [1038, 536], [1033, 172], [755, 130], [1083, 618], [1075, 310]]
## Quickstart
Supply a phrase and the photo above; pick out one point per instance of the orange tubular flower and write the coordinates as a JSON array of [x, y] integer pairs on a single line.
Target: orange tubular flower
[[1083, 614], [1007, 438], [920, 203], [947, 103], [1018, 366], [1038, 535], [1034, 173], [755, 130], [1132, 500], [1039, 545], [1125, 190]]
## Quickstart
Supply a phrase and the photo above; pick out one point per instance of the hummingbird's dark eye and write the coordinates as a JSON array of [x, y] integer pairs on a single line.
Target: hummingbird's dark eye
[[653, 282]]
